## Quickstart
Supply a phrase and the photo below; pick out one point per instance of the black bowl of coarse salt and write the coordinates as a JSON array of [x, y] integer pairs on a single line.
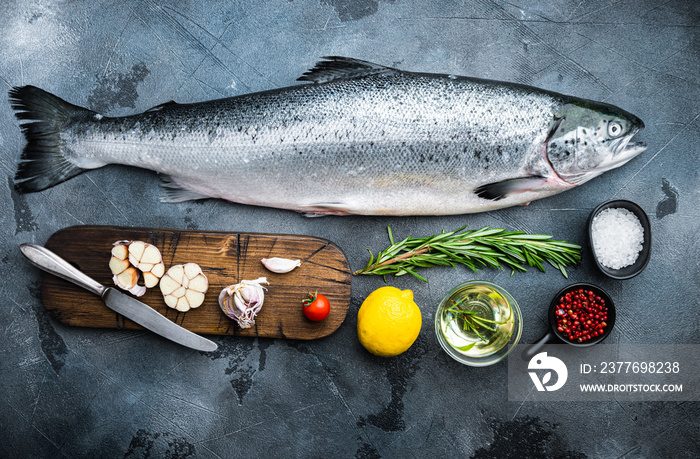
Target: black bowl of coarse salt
[[620, 235]]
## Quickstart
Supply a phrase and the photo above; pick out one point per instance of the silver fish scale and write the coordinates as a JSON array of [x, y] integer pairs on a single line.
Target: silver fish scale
[[399, 143]]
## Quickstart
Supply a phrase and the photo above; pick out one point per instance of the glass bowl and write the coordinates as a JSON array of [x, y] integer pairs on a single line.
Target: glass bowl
[[492, 302]]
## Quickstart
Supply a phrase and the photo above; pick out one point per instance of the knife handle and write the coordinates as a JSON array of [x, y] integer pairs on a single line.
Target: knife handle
[[43, 258]]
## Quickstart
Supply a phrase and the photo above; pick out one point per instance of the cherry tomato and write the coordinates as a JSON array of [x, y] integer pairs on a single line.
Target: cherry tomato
[[316, 307]]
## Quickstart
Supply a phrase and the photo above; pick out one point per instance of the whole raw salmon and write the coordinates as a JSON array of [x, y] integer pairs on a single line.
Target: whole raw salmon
[[357, 138]]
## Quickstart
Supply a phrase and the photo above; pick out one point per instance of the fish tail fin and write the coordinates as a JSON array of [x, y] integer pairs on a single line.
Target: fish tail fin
[[43, 163]]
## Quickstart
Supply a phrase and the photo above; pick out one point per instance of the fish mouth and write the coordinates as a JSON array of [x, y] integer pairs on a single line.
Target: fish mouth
[[631, 150], [625, 151]]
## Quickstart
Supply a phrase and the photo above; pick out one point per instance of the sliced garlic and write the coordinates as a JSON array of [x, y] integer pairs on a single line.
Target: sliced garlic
[[184, 286], [280, 265], [147, 258], [128, 255], [242, 302]]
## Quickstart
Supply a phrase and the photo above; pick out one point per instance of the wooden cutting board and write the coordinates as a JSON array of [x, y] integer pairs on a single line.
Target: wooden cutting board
[[225, 258]]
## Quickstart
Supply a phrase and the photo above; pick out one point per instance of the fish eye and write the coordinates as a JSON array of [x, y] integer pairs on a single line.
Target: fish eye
[[614, 129]]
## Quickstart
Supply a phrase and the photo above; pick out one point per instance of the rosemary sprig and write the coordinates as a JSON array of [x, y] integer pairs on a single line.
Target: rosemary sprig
[[471, 321], [476, 249]]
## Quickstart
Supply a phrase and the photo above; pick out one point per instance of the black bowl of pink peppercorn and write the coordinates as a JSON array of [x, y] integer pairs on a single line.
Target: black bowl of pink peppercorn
[[582, 315], [579, 310]]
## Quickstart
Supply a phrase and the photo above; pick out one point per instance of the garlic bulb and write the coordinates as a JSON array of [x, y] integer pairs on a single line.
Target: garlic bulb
[[184, 286], [280, 265], [241, 302]]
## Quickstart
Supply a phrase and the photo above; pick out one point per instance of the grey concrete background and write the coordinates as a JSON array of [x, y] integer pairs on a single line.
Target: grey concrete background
[[71, 392]]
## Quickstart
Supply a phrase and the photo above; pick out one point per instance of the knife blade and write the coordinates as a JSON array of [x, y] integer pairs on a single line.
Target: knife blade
[[121, 303]]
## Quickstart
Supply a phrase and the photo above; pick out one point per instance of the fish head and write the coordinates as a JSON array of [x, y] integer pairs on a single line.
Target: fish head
[[589, 138]]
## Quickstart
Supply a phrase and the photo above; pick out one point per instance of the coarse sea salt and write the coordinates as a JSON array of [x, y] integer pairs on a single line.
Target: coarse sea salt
[[617, 236]]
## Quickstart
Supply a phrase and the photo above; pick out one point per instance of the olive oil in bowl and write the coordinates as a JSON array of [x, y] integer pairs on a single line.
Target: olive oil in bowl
[[476, 321]]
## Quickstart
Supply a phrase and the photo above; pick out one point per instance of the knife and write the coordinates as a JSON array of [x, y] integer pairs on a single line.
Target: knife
[[121, 303]]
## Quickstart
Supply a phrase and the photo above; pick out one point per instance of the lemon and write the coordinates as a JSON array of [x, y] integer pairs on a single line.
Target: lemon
[[388, 321]]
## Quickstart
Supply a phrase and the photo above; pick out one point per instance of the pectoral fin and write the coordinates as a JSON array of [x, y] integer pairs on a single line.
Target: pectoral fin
[[499, 190]]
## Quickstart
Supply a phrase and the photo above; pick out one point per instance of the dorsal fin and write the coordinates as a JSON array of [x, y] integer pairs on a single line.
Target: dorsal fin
[[160, 107], [342, 68]]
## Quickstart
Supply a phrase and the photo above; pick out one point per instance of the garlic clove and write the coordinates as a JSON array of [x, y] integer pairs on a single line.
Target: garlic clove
[[168, 285], [127, 278], [117, 265], [145, 267], [247, 294], [280, 265], [158, 270], [133, 260], [182, 304], [191, 270], [194, 298], [171, 301], [120, 251], [150, 280], [240, 304], [176, 273], [136, 249], [151, 255], [199, 283]]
